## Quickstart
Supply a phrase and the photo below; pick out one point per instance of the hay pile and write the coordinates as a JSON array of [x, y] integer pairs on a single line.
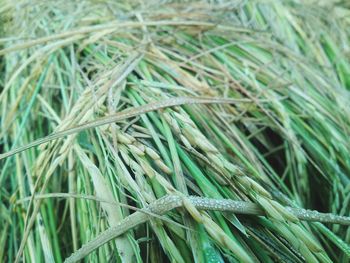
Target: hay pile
[[239, 100]]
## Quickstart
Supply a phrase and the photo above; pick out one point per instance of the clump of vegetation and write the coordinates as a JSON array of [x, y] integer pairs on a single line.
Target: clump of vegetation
[[174, 131]]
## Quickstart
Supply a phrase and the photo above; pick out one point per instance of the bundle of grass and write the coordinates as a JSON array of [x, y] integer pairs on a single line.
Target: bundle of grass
[[177, 132]]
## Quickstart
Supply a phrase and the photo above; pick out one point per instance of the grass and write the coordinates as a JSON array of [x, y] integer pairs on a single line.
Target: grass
[[238, 100]]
